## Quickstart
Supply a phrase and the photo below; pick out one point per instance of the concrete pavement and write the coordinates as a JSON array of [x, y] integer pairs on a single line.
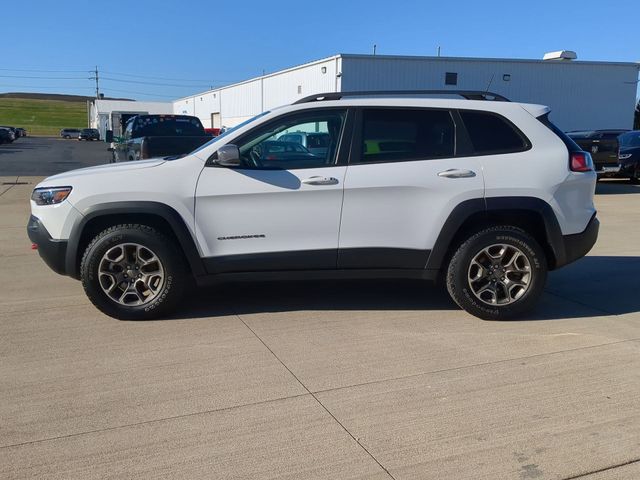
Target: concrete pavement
[[323, 380]]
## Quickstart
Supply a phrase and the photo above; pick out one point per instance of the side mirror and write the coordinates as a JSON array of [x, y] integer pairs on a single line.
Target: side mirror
[[228, 156], [109, 136]]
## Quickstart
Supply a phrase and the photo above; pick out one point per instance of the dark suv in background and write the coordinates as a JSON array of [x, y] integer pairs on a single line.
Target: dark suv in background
[[70, 132], [89, 134], [603, 147], [629, 156]]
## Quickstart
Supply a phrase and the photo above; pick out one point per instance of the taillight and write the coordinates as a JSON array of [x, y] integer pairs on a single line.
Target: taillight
[[580, 162]]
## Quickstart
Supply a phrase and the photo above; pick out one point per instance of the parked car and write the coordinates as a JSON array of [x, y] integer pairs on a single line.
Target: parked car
[[89, 134], [150, 136], [6, 135], [280, 154], [69, 133], [315, 142], [603, 146], [13, 131], [629, 156], [488, 195]]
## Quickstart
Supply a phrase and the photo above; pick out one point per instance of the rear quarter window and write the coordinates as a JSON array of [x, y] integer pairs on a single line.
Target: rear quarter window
[[491, 133]]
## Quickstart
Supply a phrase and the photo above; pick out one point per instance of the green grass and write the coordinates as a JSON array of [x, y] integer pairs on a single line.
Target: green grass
[[42, 117]]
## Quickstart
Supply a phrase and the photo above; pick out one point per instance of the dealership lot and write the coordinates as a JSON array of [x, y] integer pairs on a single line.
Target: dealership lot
[[317, 380]]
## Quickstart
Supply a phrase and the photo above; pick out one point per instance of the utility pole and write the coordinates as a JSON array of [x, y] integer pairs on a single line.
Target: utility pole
[[374, 48], [96, 78]]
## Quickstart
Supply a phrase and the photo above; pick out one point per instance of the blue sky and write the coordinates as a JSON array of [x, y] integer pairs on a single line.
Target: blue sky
[[188, 46]]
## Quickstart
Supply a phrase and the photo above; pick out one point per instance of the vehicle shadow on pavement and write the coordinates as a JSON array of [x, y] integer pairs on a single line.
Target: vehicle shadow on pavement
[[605, 283], [592, 286], [285, 296], [616, 187]]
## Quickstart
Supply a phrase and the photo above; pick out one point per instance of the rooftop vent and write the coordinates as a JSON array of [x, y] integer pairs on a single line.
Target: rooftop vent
[[560, 55]]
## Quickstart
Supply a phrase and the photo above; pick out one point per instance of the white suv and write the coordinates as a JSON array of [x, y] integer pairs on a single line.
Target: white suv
[[487, 195]]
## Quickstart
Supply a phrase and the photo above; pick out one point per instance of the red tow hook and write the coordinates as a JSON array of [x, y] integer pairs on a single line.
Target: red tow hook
[[34, 246]]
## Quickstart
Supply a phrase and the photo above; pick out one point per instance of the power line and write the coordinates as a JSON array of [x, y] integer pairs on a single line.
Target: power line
[[137, 93], [154, 77], [154, 83], [42, 78], [19, 85], [41, 71]]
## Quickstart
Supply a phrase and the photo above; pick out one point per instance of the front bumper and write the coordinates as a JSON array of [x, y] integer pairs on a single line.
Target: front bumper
[[53, 252], [578, 245]]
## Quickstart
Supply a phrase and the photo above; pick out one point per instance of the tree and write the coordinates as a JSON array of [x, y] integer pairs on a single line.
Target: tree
[[636, 119]]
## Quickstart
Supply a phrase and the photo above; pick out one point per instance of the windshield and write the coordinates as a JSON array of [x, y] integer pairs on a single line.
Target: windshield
[[629, 140], [231, 130]]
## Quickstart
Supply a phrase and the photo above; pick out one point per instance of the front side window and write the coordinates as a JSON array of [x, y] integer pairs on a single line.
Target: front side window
[[492, 134], [396, 135], [275, 147]]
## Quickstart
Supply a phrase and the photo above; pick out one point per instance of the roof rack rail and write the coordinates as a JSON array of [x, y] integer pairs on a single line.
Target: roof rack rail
[[466, 94]]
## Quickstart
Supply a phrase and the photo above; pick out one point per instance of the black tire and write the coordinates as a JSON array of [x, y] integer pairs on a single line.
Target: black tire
[[459, 286], [167, 251]]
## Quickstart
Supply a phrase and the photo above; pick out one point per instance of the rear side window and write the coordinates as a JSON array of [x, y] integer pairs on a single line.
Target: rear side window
[[568, 141], [390, 135], [492, 134]]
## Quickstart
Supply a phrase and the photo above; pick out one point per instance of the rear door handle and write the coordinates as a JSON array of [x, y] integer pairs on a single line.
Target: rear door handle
[[457, 173], [320, 181]]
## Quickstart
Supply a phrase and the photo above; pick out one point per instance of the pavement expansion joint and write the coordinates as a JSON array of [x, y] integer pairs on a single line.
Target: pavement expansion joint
[[155, 420], [601, 470], [318, 400], [484, 364]]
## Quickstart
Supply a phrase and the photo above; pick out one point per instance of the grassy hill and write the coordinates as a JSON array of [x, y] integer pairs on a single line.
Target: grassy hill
[[42, 116], [44, 113]]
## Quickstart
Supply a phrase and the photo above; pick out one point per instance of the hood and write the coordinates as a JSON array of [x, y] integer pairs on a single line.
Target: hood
[[108, 168]]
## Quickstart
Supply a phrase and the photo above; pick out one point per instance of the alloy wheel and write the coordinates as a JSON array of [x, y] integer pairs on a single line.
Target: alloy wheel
[[499, 274], [131, 274]]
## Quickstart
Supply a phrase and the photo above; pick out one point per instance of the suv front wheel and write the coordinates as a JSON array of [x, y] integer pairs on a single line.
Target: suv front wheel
[[498, 273], [133, 272]]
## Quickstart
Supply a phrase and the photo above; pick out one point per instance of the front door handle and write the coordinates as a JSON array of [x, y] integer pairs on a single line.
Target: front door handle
[[320, 181], [457, 173]]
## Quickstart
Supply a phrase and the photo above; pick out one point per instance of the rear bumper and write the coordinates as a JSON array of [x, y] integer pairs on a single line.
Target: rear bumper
[[53, 252], [578, 245], [607, 170]]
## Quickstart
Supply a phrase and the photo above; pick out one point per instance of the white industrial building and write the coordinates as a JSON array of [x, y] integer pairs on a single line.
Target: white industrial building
[[113, 114], [582, 95]]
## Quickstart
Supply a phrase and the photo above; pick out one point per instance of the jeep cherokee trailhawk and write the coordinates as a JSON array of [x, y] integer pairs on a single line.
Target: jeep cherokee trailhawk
[[487, 195]]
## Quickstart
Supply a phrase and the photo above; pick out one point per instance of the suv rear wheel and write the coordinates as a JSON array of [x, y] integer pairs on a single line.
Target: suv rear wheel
[[133, 272], [498, 273]]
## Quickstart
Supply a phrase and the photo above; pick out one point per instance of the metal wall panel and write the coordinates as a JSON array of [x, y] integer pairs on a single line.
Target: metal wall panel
[[239, 102], [582, 95]]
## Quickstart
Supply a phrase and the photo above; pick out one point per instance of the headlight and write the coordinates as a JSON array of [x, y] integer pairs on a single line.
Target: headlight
[[50, 196], [624, 156]]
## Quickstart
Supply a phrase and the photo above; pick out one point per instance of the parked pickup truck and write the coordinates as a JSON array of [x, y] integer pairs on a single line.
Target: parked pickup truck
[[603, 147], [151, 136]]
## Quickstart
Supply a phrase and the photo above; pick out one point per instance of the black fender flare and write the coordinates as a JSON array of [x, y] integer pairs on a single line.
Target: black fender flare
[[465, 210], [165, 212]]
